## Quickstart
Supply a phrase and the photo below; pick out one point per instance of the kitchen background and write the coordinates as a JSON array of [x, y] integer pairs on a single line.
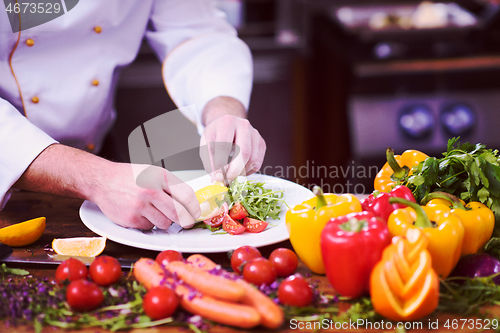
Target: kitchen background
[[336, 82]]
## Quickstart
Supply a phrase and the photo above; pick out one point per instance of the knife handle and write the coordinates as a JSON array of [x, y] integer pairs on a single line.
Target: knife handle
[[5, 250]]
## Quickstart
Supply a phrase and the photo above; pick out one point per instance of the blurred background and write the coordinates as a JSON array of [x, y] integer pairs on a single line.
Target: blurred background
[[336, 82]]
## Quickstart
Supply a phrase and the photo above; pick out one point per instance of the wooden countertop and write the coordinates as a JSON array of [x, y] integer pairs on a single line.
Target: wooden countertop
[[63, 221]]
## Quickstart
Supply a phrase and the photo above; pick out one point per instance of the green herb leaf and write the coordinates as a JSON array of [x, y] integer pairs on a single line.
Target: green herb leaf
[[417, 180], [203, 225], [483, 194], [4, 270], [493, 247], [451, 144]]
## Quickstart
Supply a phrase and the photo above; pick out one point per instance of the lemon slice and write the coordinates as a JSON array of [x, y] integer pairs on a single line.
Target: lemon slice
[[24, 233], [207, 198], [79, 246]]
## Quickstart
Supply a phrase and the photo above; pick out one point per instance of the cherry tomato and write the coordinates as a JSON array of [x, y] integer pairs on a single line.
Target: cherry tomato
[[164, 257], [253, 225], [217, 220], [285, 261], [238, 212], [259, 271], [242, 255], [105, 270], [295, 291], [231, 226], [160, 302], [71, 269], [83, 295]]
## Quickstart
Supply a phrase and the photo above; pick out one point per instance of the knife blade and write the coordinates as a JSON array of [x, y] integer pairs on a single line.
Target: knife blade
[[229, 158], [26, 257]]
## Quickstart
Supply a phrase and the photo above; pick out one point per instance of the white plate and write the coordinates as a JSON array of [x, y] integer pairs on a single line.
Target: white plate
[[197, 240]]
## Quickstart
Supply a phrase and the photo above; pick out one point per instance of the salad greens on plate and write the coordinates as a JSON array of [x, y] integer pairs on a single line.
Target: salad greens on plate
[[258, 203]]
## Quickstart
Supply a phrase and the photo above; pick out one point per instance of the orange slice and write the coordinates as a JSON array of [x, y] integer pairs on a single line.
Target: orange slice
[[24, 233], [79, 246], [207, 197]]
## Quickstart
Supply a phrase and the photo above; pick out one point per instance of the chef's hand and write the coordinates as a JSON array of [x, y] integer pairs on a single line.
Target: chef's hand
[[155, 197], [143, 196], [224, 120]]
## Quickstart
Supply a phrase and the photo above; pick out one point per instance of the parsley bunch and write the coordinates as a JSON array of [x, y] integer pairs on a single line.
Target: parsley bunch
[[470, 172], [465, 296]]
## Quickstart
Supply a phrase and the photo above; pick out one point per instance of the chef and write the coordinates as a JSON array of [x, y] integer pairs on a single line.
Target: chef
[[56, 101]]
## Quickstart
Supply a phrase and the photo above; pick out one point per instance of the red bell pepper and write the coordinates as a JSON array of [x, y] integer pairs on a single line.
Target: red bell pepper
[[378, 202], [351, 245]]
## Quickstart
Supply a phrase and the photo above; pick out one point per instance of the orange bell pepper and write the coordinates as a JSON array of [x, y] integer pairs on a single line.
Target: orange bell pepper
[[396, 169], [403, 285]]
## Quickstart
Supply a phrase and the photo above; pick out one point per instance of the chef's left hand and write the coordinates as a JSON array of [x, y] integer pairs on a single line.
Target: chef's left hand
[[225, 121]]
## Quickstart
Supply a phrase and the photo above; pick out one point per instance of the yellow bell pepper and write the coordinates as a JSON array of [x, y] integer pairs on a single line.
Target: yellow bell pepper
[[396, 168], [403, 285], [306, 221], [478, 220], [445, 232], [439, 201]]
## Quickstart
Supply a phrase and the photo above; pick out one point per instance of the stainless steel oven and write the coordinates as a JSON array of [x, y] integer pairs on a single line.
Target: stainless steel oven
[[424, 103], [427, 71]]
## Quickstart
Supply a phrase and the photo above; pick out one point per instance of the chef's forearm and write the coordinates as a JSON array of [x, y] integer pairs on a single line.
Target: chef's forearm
[[65, 171], [221, 106]]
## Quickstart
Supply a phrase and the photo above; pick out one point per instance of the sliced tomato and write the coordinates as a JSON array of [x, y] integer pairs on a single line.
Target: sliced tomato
[[253, 225], [217, 220], [231, 226], [238, 212]]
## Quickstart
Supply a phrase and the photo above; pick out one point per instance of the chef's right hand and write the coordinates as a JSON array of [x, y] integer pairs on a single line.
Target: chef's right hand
[[143, 196]]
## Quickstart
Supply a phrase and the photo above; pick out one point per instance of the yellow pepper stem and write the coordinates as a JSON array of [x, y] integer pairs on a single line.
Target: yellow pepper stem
[[422, 220], [455, 202], [320, 198], [398, 171]]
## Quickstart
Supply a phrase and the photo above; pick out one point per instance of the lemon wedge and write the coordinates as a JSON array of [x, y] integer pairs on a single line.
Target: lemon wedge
[[207, 198], [79, 246], [24, 233]]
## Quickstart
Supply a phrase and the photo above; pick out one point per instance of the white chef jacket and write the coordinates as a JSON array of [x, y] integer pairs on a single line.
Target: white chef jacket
[[57, 79]]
